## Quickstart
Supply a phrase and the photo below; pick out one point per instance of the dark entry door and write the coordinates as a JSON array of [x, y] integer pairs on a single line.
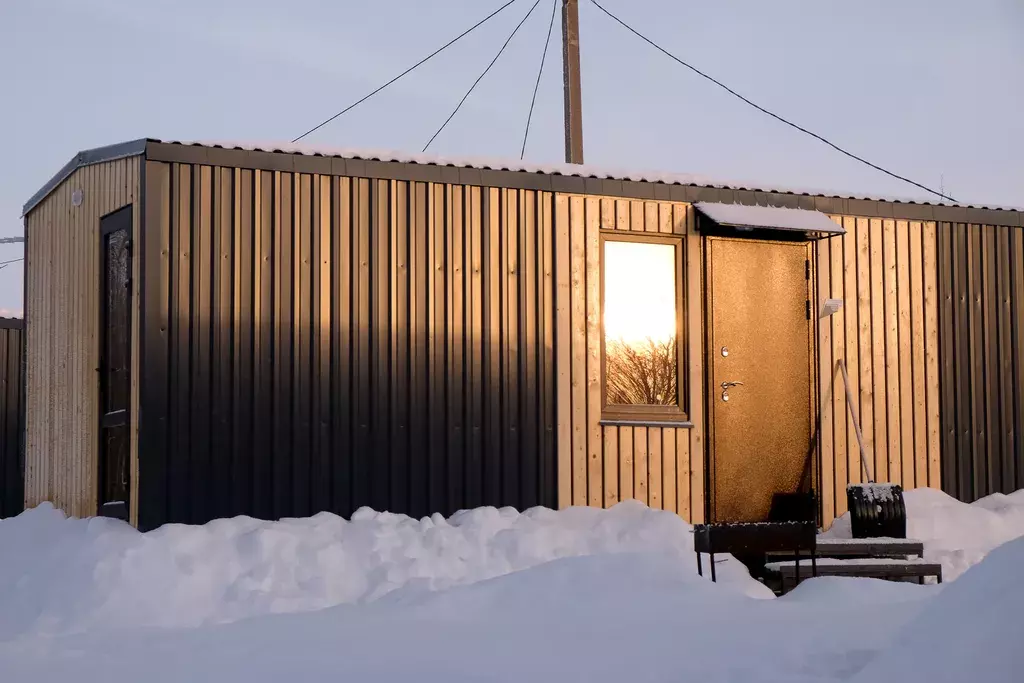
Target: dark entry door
[[115, 356], [760, 394]]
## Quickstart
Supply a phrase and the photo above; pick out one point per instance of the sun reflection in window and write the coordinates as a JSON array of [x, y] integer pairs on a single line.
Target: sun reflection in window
[[640, 323]]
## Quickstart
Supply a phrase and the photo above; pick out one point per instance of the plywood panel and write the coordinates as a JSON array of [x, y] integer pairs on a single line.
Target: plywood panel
[[63, 302]]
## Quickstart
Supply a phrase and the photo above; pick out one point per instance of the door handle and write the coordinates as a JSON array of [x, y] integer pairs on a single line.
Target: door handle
[[726, 385]]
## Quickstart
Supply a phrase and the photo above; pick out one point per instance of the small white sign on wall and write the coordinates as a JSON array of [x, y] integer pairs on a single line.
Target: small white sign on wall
[[830, 307]]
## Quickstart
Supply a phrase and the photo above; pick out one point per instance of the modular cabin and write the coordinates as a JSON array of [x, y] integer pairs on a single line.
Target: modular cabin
[[215, 330]]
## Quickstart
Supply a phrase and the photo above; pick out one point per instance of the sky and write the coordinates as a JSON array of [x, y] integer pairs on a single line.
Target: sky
[[931, 89]]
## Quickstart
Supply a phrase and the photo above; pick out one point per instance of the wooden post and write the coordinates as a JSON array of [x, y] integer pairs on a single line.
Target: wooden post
[[571, 77]]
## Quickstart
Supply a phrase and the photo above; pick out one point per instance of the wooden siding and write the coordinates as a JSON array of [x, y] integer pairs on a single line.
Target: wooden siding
[[318, 342], [885, 271], [62, 316], [601, 465], [12, 417], [981, 328]]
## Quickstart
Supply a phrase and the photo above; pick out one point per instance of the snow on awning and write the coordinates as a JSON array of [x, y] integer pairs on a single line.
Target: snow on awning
[[814, 224]]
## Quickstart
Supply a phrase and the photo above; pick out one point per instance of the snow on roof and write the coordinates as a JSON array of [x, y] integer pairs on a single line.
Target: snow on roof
[[802, 220], [574, 170]]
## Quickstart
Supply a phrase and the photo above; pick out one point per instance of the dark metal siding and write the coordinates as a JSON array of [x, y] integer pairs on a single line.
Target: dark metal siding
[[12, 417], [981, 297], [318, 342]]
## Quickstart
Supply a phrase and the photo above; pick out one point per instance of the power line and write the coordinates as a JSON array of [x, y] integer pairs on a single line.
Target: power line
[[409, 70], [536, 87], [766, 111], [4, 264], [481, 76]]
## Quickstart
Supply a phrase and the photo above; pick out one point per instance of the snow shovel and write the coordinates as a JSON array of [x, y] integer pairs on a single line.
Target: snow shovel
[[876, 510]]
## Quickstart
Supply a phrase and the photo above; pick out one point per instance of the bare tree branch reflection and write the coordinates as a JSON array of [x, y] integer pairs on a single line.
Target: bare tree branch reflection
[[642, 372]]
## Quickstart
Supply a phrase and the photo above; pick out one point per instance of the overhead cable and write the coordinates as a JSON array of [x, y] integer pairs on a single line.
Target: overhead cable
[[481, 76], [409, 70], [766, 111], [536, 87]]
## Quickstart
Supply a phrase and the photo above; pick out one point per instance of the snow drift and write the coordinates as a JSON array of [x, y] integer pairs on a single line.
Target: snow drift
[[970, 632], [63, 575], [497, 595]]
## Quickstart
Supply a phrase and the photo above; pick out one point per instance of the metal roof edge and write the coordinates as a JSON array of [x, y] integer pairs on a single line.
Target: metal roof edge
[[86, 157]]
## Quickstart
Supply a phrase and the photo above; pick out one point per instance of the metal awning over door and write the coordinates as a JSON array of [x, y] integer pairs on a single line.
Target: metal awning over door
[[812, 224]]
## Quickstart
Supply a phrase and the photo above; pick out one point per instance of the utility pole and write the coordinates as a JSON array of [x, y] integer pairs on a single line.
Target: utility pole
[[571, 77]]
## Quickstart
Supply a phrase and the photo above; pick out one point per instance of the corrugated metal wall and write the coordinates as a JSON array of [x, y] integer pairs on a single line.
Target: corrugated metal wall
[[662, 467], [12, 417], [316, 342], [981, 276], [62, 299], [887, 331]]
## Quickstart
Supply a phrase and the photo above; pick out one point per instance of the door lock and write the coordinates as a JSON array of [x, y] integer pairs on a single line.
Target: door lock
[[725, 389]]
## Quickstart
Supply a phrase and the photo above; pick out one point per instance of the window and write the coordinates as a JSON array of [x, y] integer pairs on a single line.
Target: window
[[642, 324]]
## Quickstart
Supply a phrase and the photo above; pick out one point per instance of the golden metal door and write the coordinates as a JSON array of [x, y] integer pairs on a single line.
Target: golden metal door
[[760, 379]]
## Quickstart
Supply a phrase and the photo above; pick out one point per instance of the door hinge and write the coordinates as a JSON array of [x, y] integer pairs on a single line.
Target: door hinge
[[807, 308], [807, 269]]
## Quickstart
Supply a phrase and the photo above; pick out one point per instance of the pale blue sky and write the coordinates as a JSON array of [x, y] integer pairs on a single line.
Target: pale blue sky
[[930, 88]]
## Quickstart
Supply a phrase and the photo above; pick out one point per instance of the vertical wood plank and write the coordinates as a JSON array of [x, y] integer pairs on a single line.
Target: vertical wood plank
[[610, 446], [563, 350], [864, 350], [840, 417], [932, 354], [579, 351], [640, 465], [626, 489], [654, 468], [851, 473], [668, 476], [827, 388], [595, 466], [892, 351], [878, 352], [695, 341], [917, 339]]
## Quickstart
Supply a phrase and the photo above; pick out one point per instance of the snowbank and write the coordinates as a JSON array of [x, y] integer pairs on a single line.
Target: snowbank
[[955, 534], [969, 632], [582, 594], [607, 618], [61, 575]]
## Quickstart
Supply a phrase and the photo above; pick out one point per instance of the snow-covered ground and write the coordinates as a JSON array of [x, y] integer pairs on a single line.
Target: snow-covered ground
[[492, 595]]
